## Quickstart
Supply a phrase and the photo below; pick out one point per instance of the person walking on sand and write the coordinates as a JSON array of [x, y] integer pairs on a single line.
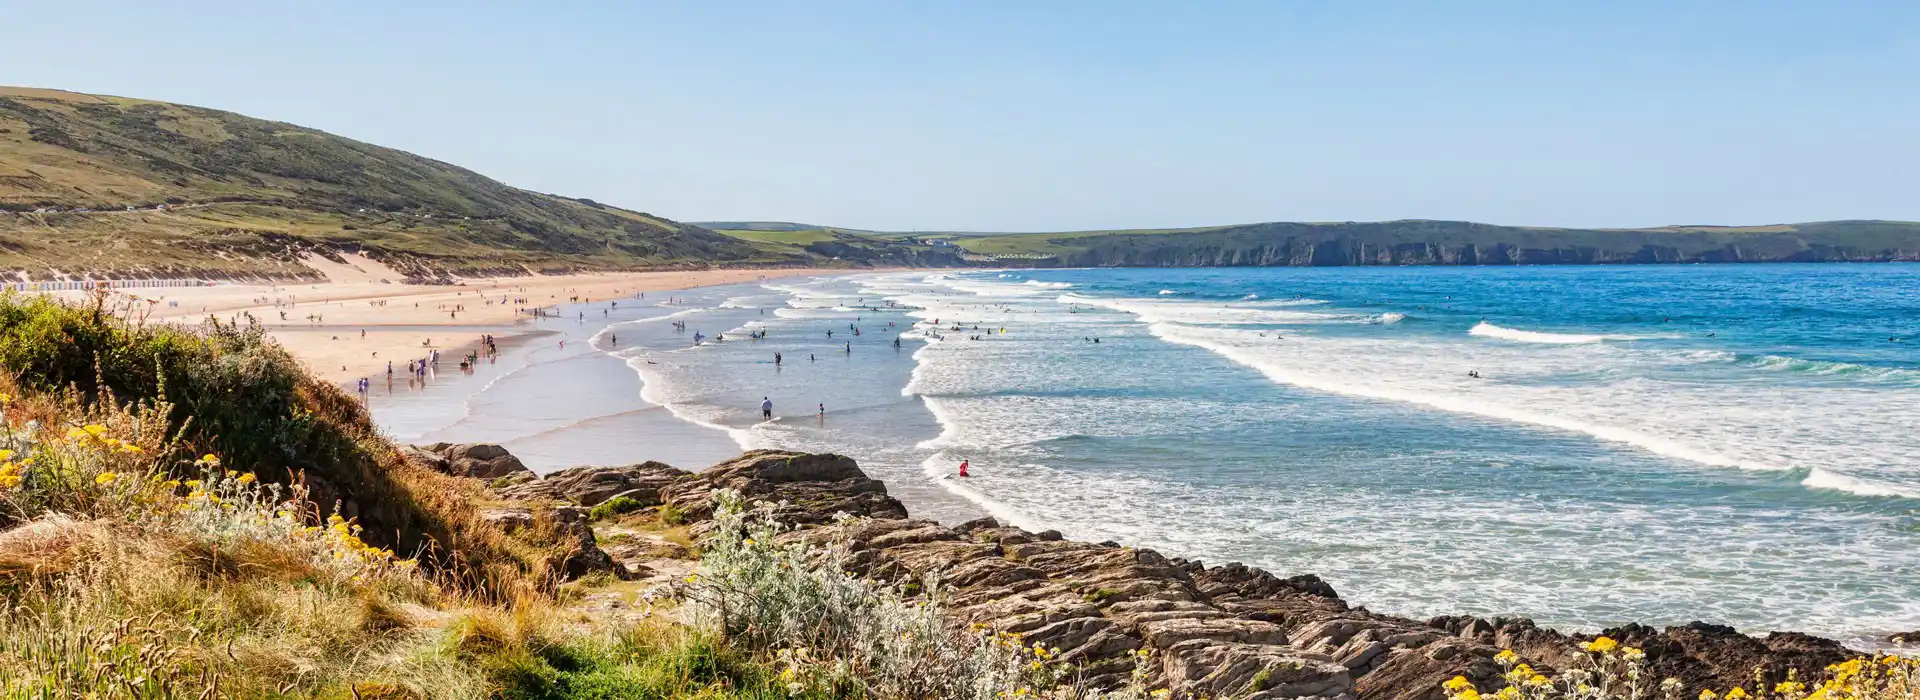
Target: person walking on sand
[[766, 408]]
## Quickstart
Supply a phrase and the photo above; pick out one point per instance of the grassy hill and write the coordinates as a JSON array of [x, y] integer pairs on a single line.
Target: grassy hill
[[242, 196]]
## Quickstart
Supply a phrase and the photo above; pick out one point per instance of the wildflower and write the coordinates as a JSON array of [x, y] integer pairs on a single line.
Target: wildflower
[[210, 459], [105, 478], [1737, 693], [1600, 645], [247, 478], [1506, 657], [1457, 684], [6, 455], [95, 429], [1633, 654], [1708, 694]]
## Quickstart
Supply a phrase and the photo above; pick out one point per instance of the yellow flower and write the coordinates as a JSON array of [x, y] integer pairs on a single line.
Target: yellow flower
[[210, 459], [1601, 645], [6, 455], [1506, 656], [1708, 694], [246, 478], [1737, 694], [105, 478], [1457, 684], [95, 429]]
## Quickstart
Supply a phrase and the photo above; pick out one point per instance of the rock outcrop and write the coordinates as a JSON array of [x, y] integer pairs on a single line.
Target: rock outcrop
[[1210, 631], [1222, 630], [478, 460]]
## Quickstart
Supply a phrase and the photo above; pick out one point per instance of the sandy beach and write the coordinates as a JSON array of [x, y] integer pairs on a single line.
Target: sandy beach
[[350, 326]]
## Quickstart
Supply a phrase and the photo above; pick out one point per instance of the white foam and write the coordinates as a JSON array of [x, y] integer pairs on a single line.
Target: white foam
[[1205, 313], [1049, 285], [1167, 292], [1822, 479], [1352, 385], [1389, 317], [1488, 330]]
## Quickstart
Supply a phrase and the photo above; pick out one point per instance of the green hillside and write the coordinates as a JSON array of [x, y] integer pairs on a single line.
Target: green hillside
[[241, 196], [1405, 242]]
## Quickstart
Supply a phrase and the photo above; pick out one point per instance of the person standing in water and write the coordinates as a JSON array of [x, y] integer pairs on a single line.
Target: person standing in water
[[776, 359], [963, 468], [766, 408]]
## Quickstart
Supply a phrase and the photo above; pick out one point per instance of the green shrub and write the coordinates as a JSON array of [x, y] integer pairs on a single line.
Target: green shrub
[[771, 595], [672, 516], [618, 505]]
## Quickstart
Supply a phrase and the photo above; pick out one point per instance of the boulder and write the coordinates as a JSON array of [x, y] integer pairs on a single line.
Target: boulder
[[483, 460], [591, 486]]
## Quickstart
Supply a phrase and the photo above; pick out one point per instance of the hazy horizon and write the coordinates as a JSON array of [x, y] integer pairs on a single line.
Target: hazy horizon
[[1008, 117]]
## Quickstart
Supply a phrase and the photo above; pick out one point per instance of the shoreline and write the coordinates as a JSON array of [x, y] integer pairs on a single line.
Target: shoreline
[[901, 474], [359, 320]]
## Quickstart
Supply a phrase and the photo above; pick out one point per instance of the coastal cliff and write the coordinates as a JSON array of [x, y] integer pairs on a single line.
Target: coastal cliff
[[1467, 243], [1210, 630]]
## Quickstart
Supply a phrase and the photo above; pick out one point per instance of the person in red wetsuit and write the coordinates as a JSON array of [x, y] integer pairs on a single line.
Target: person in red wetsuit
[[963, 467]]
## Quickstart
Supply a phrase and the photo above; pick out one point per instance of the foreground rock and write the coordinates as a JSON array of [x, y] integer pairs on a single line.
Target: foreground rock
[[1227, 630], [477, 460], [1212, 631]]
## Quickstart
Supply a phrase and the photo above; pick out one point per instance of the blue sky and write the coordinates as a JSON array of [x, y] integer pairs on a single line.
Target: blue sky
[[1047, 115]]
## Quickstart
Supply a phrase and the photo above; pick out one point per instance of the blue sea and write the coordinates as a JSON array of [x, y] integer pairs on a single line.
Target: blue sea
[[1586, 446]]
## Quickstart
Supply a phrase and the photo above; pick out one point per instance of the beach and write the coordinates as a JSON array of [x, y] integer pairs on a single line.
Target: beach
[[1425, 439], [363, 317]]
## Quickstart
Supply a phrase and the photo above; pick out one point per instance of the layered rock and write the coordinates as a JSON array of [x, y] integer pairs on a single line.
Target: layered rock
[[1210, 631]]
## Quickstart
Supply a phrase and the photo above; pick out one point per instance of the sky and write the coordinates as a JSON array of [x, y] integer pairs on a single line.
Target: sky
[[1035, 115]]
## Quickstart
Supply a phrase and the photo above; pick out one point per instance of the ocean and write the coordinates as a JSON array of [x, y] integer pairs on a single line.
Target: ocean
[[1585, 446]]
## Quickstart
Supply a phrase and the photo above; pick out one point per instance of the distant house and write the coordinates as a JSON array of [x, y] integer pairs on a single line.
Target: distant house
[[942, 243]]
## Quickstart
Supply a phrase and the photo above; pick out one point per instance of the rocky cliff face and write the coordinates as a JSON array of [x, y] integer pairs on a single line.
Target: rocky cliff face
[[1215, 630]]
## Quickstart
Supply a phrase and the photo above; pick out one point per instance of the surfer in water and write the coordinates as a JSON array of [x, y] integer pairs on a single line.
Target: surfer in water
[[766, 408]]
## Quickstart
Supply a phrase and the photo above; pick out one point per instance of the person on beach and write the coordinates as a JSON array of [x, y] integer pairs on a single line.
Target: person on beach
[[766, 408], [776, 359], [963, 468], [823, 410]]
